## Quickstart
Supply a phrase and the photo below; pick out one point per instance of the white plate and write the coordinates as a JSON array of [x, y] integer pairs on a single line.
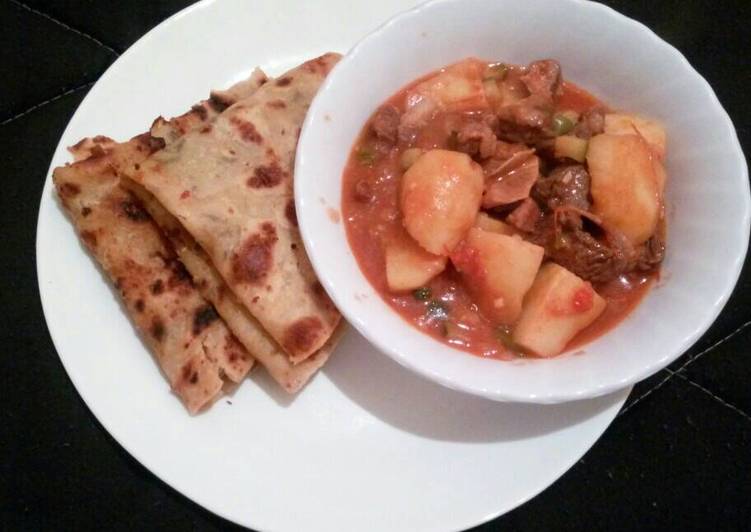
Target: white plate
[[368, 445]]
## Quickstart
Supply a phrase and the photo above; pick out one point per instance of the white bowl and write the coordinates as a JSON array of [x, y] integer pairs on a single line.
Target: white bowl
[[627, 66]]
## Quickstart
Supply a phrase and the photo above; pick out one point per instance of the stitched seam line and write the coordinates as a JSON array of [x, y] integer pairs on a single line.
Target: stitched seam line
[[715, 397], [65, 26], [672, 373], [713, 346], [45, 102], [645, 394]]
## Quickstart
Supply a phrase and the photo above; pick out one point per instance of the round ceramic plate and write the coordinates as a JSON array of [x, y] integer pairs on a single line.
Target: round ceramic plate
[[367, 445]]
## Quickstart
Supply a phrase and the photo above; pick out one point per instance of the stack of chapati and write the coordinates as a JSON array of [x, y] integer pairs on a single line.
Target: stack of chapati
[[194, 222]]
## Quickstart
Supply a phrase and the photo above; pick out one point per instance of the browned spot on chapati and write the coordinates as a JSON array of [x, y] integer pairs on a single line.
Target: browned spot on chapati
[[69, 190], [234, 349], [247, 130], [157, 329], [218, 102], [276, 104], [85, 211], [283, 82], [203, 317], [185, 194], [134, 211], [301, 336], [179, 275], [290, 212], [157, 287], [206, 129], [200, 111], [318, 65], [89, 237], [189, 374], [140, 305], [156, 143], [266, 176], [252, 262]]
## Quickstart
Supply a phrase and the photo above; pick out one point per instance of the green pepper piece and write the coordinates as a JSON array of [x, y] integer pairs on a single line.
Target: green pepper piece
[[562, 125], [504, 336], [497, 71], [366, 156], [422, 294]]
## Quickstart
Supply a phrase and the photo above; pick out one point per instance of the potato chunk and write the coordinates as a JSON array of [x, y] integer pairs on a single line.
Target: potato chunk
[[440, 198], [408, 266], [493, 225], [625, 187], [497, 270], [652, 131], [457, 87], [556, 308]]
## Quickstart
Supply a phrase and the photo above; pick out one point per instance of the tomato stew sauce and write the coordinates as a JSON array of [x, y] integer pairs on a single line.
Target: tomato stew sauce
[[444, 308]]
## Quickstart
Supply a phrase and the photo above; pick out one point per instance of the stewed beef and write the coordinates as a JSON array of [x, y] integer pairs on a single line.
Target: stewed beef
[[590, 123], [529, 119], [564, 185], [476, 138]]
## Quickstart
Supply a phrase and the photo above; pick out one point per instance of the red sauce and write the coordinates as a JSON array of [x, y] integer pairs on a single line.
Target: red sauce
[[370, 210]]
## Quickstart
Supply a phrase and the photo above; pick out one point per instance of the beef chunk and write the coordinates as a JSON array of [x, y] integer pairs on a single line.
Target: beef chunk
[[650, 254], [565, 185], [543, 79], [573, 240], [529, 119], [385, 123], [525, 215], [476, 138], [593, 259], [590, 123]]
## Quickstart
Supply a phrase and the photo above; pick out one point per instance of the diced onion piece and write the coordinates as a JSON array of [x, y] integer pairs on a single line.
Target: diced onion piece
[[556, 308], [487, 223], [409, 157], [440, 197], [408, 266], [492, 92], [625, 186], [496, 71], [511, 180], [571, 147], [497, 270]]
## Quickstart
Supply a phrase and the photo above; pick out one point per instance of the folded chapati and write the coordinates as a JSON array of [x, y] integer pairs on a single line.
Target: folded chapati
[[211, 285], [230, 185], [192, 345]]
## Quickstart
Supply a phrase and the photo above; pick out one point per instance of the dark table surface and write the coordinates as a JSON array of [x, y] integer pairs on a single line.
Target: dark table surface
[[678, 456]]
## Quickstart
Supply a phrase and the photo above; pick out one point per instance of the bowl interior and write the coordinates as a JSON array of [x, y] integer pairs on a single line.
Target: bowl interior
[[625, 65]]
